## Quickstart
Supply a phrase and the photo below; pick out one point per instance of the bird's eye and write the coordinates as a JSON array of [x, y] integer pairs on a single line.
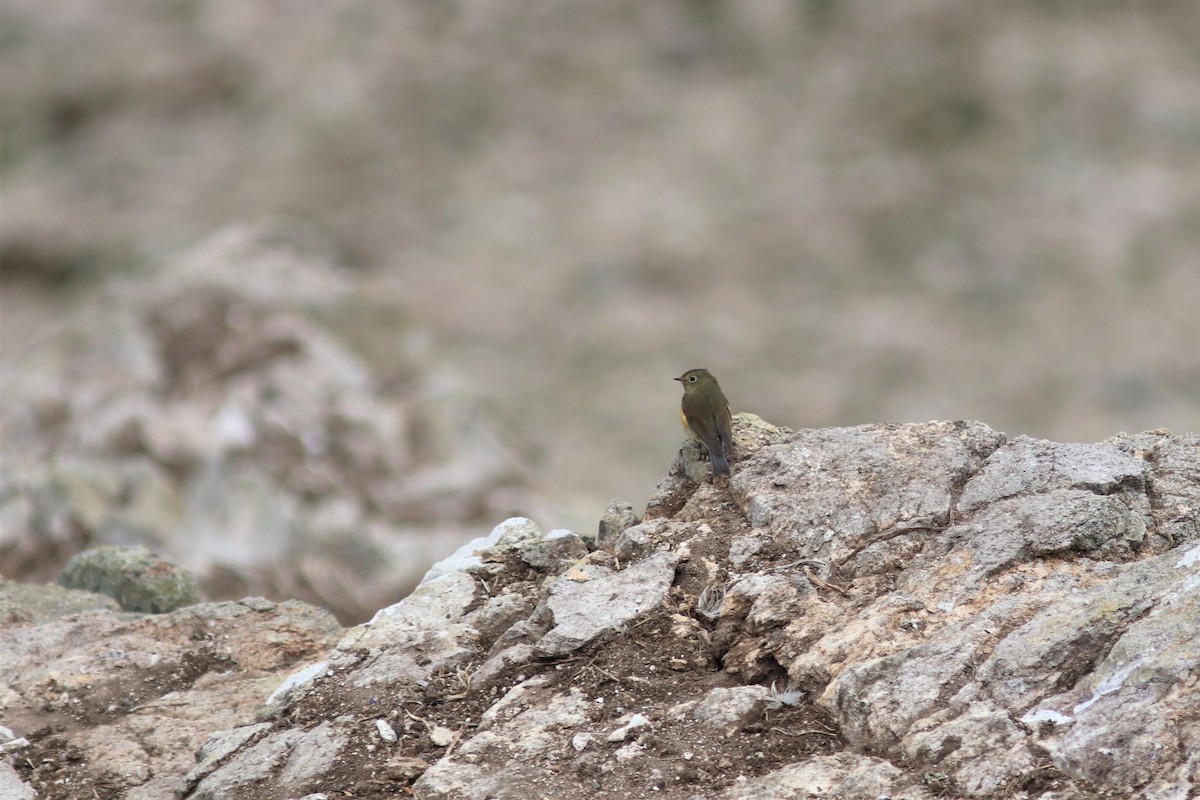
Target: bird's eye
[[692, 379]]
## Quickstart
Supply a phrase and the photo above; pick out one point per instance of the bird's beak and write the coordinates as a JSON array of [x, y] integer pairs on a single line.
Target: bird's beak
[[679, 379]]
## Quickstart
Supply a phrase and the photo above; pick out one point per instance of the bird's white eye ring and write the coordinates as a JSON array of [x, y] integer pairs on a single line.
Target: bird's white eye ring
[[692, 379]]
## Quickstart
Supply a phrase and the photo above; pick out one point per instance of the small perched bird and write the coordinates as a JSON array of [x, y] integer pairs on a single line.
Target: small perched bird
[[704, 413]]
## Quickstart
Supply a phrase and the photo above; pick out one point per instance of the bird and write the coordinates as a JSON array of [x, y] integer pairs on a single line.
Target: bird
[[704, 413]]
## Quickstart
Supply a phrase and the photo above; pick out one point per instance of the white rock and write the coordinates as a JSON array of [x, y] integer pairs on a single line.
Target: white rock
[[386, 732], [441, 735], [622, 733]]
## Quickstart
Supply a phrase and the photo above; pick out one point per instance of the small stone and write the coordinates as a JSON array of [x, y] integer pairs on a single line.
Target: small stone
[[694, 462], [742, 548], [618, 517], [629, 752], [441, 735], [257, 604], [13, 744], [554, 552], [725, 709], [622, 733], [406, 768], [580, 741], [386, 732]]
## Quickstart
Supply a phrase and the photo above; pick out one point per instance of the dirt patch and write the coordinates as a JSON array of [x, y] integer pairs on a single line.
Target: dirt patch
[[641, 672], [55, 765], [57, 769]]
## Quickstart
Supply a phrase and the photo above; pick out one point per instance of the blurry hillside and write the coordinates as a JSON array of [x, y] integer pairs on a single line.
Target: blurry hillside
[[229, 410], [849, 211]]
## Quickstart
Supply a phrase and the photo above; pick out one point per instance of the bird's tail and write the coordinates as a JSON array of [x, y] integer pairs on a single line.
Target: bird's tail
[[719, 463]]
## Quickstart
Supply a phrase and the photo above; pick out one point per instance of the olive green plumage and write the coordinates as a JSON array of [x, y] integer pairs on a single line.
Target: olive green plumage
[[704, 413]]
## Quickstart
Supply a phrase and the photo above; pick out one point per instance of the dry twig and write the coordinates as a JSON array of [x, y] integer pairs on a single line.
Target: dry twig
[[824, 584]]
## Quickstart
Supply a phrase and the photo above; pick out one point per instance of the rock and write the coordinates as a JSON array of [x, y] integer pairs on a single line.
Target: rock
[[828, 491], [651, 536], [518, 655], [132, 696], [312, 753], [1169, 485], [634, 722], [867, 632], [500, 612], [743, 548], [617, 517], [216, 749], [503, 539], [638, 540], [296, 682], [10, 743], [413, 638], [1034, 466], [252, 764], [767, 601], [21, 602], [693, 462], [554, 553], [512, 733], [406, 768], [386, 732], [133, 576], [727, 710], [441, 736], [1012, 531], [845, 775], [573, 600], [1141, 627], [11, 785]]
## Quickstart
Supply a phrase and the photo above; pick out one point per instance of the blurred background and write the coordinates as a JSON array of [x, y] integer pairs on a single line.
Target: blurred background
[[519, 221]]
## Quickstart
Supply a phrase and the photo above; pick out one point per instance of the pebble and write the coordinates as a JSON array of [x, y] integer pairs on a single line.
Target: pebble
[[385, 731]]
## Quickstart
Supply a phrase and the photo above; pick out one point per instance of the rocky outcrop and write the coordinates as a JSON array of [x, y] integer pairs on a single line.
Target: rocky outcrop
[[911, 611], [105, 704]]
